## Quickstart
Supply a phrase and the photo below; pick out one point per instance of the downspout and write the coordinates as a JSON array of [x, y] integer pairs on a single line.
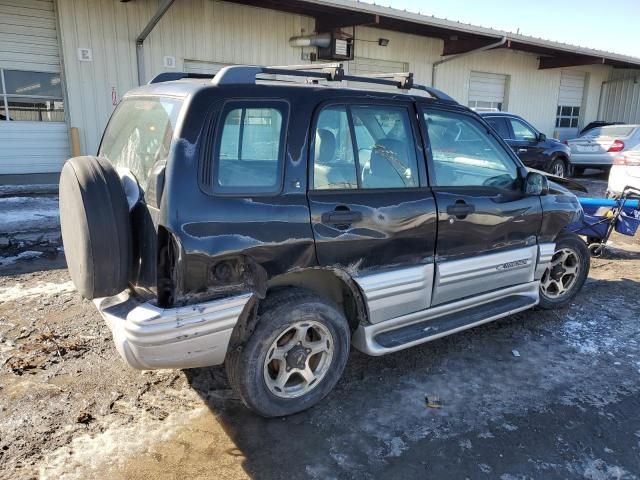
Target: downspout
[[435, 65], [162, 9]]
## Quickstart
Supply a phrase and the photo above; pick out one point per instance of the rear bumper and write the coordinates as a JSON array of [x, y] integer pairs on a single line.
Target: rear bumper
[[593, 159], [149, 337]]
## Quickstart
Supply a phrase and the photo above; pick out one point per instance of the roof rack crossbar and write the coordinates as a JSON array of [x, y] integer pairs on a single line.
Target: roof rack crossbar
[[332, 72]]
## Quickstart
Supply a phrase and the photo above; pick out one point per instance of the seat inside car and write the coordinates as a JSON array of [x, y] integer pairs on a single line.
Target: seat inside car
[[387, 167], [328, 171]]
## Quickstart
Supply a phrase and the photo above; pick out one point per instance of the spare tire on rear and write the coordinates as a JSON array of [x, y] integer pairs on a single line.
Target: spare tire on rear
[[94, 217]]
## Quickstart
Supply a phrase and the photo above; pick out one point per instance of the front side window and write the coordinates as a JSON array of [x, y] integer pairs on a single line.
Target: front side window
[[364, 146], [249, 154], [139, 134], [465, 154], [30, 96], [521, 131]]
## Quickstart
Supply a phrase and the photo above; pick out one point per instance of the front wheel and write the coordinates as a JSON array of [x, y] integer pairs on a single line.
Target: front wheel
[[566, 272], [294, 357], [558, 168]]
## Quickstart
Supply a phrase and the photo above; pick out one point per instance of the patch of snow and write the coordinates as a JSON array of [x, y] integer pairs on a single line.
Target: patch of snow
[[18, 291], [87, 456], [26, 255]]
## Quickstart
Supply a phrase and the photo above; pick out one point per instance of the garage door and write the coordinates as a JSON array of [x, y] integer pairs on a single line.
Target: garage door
[[372, 66], [207, 68], [33, 132], [487, 91], [569, 103]]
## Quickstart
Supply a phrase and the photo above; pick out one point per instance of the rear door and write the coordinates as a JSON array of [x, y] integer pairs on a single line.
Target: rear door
[[487, 230], [372, 213]]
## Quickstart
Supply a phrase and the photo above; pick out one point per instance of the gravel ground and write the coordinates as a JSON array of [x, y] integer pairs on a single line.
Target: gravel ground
[[535, 395]]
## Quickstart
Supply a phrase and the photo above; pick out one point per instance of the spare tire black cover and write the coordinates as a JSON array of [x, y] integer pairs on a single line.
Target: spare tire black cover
[[94, 217]]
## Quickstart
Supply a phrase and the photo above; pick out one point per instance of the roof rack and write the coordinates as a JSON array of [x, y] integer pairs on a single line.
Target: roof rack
[[331, 72]]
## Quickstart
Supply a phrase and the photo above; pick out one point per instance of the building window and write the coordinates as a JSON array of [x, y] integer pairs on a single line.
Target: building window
[[30, 96], [567, 117]]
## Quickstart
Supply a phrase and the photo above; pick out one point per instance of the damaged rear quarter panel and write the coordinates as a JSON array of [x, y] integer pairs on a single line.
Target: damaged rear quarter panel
[[235, 243]]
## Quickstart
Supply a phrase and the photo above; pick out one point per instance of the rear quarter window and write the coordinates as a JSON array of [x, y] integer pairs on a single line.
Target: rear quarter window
[[249, 148], [139, 134]]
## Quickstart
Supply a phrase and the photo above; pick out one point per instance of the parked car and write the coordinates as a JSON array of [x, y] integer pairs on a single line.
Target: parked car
[[533, 147], [270, 225], [595, 124], [599, 146], [625, 171]]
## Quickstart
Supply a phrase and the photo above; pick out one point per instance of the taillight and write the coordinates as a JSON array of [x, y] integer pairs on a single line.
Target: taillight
[[629, 161], [616, 146]]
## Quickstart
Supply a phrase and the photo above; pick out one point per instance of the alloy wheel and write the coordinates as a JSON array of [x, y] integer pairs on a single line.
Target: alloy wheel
[[562, 273], [298, 359]]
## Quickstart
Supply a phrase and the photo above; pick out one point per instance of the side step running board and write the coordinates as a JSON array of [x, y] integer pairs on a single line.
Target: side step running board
[[431, 324]]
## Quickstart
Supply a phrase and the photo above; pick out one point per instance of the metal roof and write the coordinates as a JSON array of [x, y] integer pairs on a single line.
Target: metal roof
[[458, 37]]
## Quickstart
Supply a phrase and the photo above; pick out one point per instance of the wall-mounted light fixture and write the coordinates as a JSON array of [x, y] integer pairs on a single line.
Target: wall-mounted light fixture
[[383, 42]]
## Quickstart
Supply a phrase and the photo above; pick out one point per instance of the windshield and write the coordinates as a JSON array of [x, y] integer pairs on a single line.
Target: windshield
[[139, 134], [609, 131]]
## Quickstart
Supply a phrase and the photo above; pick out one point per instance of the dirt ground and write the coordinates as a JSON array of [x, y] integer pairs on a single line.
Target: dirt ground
[[535, 395]]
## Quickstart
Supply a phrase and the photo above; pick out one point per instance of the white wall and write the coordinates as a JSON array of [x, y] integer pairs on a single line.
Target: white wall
[[223, 32], [532, 93], [191, 29]]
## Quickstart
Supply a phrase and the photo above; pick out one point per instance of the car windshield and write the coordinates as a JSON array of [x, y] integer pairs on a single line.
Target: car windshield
[[610, 131], [139, 134]]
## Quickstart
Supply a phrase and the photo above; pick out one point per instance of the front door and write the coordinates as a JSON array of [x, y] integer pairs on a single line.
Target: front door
[[372, 213], [524, 141], [487, 229]]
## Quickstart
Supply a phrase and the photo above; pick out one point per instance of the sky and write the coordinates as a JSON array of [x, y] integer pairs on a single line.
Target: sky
[[611, 25]]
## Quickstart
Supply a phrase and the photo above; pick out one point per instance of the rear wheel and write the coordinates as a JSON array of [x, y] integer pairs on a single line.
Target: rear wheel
[[566, 273], [294, 357], [558, 168]]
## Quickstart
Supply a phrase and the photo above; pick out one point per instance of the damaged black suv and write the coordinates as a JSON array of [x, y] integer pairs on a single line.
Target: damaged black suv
[[269, 224]]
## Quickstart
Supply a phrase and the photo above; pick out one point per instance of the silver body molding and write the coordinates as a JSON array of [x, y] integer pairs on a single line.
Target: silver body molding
[[397, 292], [364, 336], [394, 297], [470, 276], [545, 254], [148, 337]]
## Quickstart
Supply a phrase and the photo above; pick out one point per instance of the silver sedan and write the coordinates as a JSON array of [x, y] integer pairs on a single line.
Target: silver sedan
[[598, 147]]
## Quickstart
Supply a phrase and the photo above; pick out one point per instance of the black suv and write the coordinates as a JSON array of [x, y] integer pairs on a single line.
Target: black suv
[[269, 225], [533, 147]]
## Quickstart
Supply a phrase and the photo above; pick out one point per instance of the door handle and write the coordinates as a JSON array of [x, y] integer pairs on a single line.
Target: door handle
[[460, 209], [522, 150], [341, 217]]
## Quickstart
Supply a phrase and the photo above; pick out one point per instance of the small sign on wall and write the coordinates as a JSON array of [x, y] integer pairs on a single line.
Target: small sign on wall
[[114, 96], [169, 62], [85, 55]]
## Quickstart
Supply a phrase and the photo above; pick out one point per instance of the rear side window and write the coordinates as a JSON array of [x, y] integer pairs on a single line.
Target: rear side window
[[139, 134], [500, 126], [364, 147], [250, 148]]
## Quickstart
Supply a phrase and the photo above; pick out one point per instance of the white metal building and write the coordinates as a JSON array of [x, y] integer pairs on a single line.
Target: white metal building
[[64, 64]]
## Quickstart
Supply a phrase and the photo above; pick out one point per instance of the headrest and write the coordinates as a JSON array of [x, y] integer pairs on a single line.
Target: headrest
[[325, 147]]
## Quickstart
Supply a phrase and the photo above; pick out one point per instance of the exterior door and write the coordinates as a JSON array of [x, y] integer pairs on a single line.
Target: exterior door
[[487, 229], [371, 211]]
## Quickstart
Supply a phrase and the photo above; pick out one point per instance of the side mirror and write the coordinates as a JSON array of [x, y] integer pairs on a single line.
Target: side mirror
[[542, 137], [535, 184]]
